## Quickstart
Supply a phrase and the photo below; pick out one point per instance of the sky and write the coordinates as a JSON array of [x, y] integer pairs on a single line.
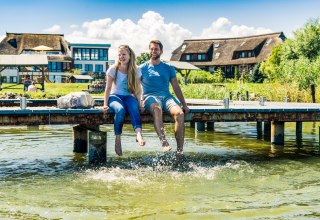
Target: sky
[[135, 23]]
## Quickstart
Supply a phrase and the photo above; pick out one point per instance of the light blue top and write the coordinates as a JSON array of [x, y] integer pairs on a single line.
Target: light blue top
[[155, 79], [120, 87]]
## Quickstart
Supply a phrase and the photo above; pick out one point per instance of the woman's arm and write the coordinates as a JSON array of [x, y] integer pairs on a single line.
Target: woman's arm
[[107, 93]]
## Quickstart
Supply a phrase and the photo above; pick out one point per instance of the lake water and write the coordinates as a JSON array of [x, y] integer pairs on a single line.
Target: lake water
[[226, 174]]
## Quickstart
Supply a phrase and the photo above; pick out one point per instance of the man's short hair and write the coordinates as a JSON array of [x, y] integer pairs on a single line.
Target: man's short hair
[[156, 42]]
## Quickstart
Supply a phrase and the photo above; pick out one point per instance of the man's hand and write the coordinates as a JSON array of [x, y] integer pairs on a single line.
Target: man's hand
[[185, 109]]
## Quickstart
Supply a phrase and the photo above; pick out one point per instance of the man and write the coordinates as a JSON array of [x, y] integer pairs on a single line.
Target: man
[[155, 80]]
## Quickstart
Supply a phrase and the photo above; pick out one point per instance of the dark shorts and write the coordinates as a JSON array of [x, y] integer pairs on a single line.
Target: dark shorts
[[166, 102]]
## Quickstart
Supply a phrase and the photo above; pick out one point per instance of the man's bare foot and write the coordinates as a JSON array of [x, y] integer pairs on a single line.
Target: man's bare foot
[[165, 145], [179, 155], [117, 146], [140, 140]]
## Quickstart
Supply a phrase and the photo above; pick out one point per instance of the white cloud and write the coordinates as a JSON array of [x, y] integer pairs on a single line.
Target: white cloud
[[54, 29], [73, 26], [137, 35], [223, 28], [2, 37]]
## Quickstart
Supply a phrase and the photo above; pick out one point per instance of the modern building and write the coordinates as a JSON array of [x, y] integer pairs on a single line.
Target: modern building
[[232, 55], [90, 59], [63, 57]]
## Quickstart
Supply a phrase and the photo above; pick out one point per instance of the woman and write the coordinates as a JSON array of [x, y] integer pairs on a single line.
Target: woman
[[122, 93]]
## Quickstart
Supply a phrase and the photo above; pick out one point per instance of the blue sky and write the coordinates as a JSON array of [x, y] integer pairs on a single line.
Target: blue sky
[[136, 22]]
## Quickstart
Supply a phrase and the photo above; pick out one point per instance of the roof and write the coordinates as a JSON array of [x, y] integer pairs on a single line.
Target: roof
[[181, 65], [86, 77], [221, 51], [89, 45], [16, 43], [23, 60]]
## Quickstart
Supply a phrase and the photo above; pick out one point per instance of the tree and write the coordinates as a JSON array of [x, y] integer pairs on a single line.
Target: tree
[[297, 60], [144, 57]]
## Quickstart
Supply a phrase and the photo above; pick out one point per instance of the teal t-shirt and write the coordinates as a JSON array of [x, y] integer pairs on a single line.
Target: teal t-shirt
[[155, 79]]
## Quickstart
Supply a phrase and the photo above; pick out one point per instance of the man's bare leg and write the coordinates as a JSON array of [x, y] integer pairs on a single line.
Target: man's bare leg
[[178, 116], [156, 112]]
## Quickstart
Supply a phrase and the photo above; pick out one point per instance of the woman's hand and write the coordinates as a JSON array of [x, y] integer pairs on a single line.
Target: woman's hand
[[105, 108]]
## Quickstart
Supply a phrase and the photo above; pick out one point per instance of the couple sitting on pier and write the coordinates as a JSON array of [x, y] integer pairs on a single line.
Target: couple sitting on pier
[[123, 94]]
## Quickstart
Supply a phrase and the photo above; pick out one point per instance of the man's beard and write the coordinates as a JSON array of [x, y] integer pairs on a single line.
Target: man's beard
[[155, 58]]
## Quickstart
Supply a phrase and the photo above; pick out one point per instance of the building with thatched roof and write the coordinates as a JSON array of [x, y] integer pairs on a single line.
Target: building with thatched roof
[[232, 55], [62, 56]]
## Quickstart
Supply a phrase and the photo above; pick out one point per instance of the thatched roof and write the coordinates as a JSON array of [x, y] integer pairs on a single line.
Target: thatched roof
[[221, 51], [16, 43]]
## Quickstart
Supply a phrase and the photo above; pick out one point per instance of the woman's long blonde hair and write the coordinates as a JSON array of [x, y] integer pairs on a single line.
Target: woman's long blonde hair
[[133, 83]]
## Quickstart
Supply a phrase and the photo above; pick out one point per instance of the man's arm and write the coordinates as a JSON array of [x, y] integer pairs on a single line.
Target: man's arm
[[177, 90]]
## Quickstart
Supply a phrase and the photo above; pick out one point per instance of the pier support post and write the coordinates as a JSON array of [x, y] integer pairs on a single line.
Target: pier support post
[[210, 126], [299, 132], [259, 129], [266, 130], [97, 147], [200, 126], [277, 133], [80, 137]]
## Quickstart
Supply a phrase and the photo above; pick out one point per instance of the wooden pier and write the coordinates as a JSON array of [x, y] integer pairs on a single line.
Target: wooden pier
[[271, 115]]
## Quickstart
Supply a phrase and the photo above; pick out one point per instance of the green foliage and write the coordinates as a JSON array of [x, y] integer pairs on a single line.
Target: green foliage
[[200, 76], [144, 57], [218, 76], [297, 60], [255, 76]]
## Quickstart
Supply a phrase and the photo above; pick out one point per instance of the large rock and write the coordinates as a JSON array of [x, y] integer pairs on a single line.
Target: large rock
[[76, 100]]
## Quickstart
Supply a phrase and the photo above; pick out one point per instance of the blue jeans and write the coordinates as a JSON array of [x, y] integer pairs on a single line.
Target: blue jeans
[[122, 104]]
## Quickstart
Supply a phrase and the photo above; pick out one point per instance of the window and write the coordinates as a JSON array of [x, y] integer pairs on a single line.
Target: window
[[242, 54], [94, 54], [201, 56], [98, 68], [250, 54], [188, 57], [90, 54], [85, 54], [78, 66], [102, 54], [88, 67], [54, 67], [77, 53]]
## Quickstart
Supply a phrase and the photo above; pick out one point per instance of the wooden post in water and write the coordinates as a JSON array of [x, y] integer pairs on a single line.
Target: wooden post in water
[[299, 132], [210, 126], [266, 130], [259, 129], [200, 126], [277, 132], [80, 137], [97, 147]]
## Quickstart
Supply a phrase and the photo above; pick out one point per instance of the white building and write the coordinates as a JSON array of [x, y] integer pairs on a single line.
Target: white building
[[62, 56]]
